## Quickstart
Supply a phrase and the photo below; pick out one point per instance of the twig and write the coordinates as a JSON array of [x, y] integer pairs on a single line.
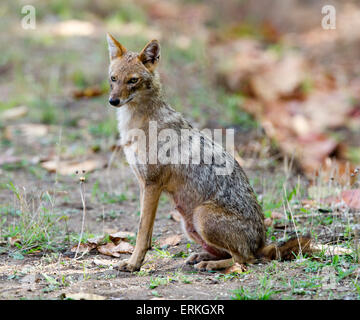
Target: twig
[[83, 217], [293, 221]]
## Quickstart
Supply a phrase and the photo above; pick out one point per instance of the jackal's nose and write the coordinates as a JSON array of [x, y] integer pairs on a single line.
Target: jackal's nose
[[114, 102]]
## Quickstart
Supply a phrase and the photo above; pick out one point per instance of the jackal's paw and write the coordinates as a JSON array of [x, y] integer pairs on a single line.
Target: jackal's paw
[[193, 258], [206, 266], [124, 265], [198, 257]]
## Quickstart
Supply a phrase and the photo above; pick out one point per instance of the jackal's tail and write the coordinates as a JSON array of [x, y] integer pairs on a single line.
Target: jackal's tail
[[287, 250]]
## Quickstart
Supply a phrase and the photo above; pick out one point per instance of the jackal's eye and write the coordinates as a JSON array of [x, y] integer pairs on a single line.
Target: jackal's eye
[[113, 79], [133, 80]]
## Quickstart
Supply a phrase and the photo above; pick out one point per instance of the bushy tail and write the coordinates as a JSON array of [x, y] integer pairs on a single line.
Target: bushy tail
[[287, 250]]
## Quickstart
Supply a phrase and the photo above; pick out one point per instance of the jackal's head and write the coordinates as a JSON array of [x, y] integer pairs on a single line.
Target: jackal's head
[[132, 75]]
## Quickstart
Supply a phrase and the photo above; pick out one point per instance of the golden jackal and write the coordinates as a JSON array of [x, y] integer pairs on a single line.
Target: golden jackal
[[219, 211]]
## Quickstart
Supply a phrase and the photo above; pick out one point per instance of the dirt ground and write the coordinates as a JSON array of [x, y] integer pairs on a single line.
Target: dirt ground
[[57, 275]]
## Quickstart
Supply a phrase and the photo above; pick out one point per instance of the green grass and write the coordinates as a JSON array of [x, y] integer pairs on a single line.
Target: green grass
[[158, 281], [308, 286], [104, 129], [109, 215], [36, 228], [128, 12], [263, 292], [113, 198], [234, 114]]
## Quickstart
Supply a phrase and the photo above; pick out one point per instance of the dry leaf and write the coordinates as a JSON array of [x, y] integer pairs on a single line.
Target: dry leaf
[[245, 57], [70, 167], [14, 113], [124, 247], [95, 241], [82, 296], [88, 92], [330, 250], [110, 249], [13, 240], [117, 237], [236, 268], [279, 79], [171, 241], [28, 131], [352, 198]]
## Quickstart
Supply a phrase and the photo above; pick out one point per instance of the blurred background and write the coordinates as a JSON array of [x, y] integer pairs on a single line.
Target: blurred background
[[269, 69]]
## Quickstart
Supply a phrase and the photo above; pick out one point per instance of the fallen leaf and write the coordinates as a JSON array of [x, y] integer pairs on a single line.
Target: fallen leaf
[[28, 131], [236, 268], [330, 250], [88, 92], [119, 236], [124, 247], [95, 241], [245, 57], [14, 113], [82, 296], [171, 241], [14, 240], [71, 167], [279, 79], [352, 198], [110, 249]]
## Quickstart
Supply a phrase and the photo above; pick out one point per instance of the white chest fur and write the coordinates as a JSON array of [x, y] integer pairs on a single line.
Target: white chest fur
[[124, 119], [129, 127]]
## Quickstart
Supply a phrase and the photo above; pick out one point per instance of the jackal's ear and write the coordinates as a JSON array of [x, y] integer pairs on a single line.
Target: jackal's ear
[[150, 55], [116, 50]]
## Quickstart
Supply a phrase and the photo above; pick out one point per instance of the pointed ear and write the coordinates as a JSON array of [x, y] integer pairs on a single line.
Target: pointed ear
[[150, 55], [116, 50]]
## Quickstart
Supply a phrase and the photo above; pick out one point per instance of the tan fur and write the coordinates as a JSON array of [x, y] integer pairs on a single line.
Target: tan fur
[[220, 212]]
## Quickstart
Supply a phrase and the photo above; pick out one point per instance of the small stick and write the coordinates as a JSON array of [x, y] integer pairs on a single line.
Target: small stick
[[82, 180], [293, 221]]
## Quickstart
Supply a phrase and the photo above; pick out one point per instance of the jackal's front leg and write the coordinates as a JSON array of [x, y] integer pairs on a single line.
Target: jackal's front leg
[[149, 201]]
